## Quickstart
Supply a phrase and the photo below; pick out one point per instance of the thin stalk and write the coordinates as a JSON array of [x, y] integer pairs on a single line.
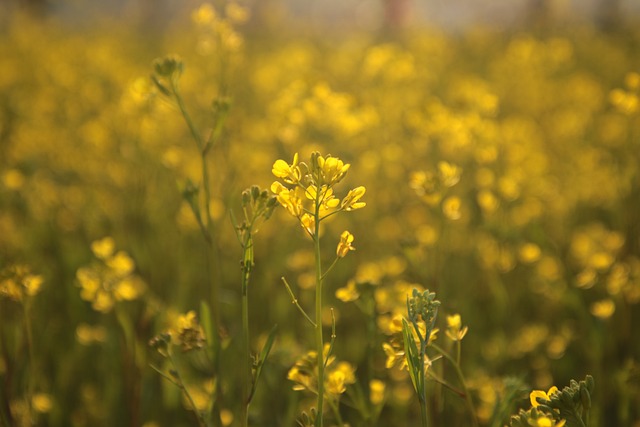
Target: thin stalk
[[336, 412], [294, 300], [178, 381], [423, 383], [467, 395], [207, 233], [246, 371], [319, 338], [31, 376]]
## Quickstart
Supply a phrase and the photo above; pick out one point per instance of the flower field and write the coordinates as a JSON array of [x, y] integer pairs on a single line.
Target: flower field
[[214, 224]]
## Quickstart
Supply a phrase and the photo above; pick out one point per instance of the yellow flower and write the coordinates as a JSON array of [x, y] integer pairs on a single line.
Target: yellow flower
[[455, 331], [348, 293], [290, 173], [103, 248], [344, 246], [121, 263], [376, 391], [188, 333], [308, 223], [237, 13], [128, 289], [104, 283], [603, 309], [204, 15], [449, 174], [351, 201], [535, 394], [42, 402], [529, 253], [291, 200], [326, 199], [32, 284], [338, 379], [20, 283], [546, 422], [451, 208], [393, 355], [332, 169]]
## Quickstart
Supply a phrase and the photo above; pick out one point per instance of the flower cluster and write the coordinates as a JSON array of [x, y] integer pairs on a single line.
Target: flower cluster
[[433, 187], [17, 283], [337, 375], [306, 192], [110, 278], [186, 333], [555, 408]]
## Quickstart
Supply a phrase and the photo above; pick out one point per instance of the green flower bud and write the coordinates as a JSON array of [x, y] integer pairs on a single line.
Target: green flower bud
[[585, 396], [168, 66]]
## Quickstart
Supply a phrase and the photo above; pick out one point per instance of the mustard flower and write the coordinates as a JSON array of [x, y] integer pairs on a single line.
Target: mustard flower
[[451, 207], [539, 394], [111, 279], [455, 331], [290, 199], [351, 201], [348, 293], [345, 244], [337, 376], [19, 282], [395, 355], [308, 223], [290, 173], [376, 391], [330, 170], [188, 333], [449, 173]]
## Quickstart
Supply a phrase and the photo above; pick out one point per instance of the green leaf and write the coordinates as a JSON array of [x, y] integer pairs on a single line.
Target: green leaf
[[412, 356], [207, 324], [262, 357]]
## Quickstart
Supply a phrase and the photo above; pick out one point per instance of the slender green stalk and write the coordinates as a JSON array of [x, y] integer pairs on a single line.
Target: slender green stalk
[[176, 379], [458, 369], [319, 338], [130, 366], [294, 300], [246, 370], [336, 412], [422, 395], [207, 233], [31, 374]]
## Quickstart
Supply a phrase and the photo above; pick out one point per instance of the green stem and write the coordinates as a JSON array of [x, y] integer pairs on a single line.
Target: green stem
[[318, 327], [31, 376], [423, 384], [208, 236], [294, 300], [246, 371], [336, 412], [185, 390], [456, 366]]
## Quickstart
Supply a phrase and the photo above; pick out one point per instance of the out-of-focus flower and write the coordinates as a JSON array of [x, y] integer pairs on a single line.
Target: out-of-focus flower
[[603, 309], [110, 279], [17, 282], [348, 293], [455, 331]]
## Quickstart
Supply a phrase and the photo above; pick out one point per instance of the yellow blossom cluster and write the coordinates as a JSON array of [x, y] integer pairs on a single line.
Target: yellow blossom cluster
[[110, 278], [337, 376]]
